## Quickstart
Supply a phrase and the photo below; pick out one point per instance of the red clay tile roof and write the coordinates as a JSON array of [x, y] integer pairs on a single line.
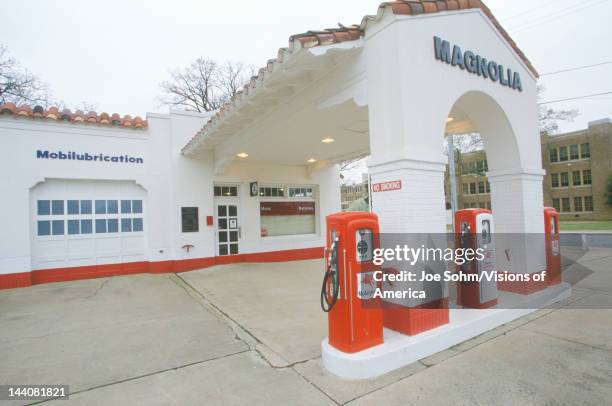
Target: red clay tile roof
[[312, 39], [53, 113], [329, 36]]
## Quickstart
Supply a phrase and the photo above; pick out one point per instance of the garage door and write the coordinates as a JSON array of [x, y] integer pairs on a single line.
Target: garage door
[[78, 223]]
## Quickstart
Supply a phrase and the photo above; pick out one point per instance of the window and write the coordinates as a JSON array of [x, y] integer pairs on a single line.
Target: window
[[112, 207], [136, 206], [126, 225], [481, 187], [586, 177], [565, 204], [85, 206], [126, 206], [57, 227], [57, 207], [100, 206], [44, 228], [588, 203], [86, 227], [293, 214], [73, 227], [480, 166], [73, 207], [554, 180], [226, 191], [189, 219], [488, 186], [585, 150], [574, 152], [44, 207], [577, 204], [563, 156], [557, 204], [275, 191], [137, 225], [553, 155], [100, 226], [112, 225], [564, 179], [300, 192], [576, 180], [466, 189], [79, 217], [287, 218], [472, 188]]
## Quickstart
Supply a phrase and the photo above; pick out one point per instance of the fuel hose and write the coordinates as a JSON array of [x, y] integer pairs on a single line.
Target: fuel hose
[[331, 285]]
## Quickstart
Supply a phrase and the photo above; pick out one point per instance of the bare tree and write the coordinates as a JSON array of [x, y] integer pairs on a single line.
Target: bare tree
[[232, 76], [17, 85], [204, 85], [549, 118]]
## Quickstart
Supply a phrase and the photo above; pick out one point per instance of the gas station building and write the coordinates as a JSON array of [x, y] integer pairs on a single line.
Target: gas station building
[[91, 195]]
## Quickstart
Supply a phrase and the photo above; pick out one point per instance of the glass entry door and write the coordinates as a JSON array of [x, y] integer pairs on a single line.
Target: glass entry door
[[228, 229]]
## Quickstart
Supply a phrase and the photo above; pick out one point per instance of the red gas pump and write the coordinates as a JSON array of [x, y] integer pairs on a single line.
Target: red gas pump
[[474, 229], [355, 319], [553, 246]]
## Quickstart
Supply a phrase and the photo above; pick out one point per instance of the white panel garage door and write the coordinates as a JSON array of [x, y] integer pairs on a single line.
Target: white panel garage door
[[79, 222]]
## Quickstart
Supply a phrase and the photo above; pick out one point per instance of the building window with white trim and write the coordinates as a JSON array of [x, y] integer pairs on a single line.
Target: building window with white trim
[[578, 204], [565, 205], [564, 179], [563, 155], [585, 151], [588, 203], [576, 179], [554, 179], [80, 217], [574, 154], [586, 177], [292, 213]]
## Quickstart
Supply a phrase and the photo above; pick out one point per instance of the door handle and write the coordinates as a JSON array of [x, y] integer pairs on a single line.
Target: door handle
[[239, 231]]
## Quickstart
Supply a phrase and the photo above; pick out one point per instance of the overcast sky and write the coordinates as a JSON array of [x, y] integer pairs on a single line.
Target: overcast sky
[[114, 53]]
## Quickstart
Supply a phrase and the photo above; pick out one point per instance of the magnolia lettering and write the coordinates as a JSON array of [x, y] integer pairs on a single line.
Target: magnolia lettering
[[476, 64], [75, 156]]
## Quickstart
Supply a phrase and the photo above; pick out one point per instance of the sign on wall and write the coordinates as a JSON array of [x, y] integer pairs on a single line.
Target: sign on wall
[[254, 188], [287, 208], [387, 186], [476, 64], [76, 156]]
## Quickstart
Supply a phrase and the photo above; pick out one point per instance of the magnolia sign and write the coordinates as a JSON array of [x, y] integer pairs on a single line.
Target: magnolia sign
[[476, 64]]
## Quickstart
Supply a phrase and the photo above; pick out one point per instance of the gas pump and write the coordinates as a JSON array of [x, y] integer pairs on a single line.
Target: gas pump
[[355, 318], [553, 246], [474, 229]]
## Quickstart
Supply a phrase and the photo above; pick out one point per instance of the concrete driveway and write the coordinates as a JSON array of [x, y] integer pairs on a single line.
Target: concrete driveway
[[250, 334]]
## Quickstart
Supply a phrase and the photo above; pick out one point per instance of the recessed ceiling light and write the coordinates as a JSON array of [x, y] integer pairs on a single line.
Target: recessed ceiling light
[[242, 155], [450, 120], [311, 161], [327, 140]]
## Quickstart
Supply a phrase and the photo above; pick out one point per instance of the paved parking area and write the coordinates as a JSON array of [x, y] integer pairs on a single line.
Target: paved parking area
[[250, 334]]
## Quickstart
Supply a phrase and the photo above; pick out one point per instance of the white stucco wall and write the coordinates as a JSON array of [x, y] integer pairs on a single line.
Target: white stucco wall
[[169, 181]]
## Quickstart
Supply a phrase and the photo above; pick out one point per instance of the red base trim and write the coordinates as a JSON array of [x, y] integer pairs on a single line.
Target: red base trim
[[416, 320], [522, 288], [19, 280]]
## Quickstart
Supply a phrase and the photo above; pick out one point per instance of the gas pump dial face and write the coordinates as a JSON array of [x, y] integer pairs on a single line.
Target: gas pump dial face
[[363, 248]]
